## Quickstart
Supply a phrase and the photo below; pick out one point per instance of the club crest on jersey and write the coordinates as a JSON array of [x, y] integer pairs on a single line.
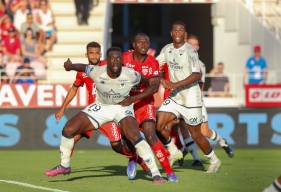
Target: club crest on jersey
[[145, 71], [122, 85], [128, 112]]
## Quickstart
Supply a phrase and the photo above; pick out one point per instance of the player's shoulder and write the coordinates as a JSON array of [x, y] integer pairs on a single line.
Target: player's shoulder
[[167, 47], [129, 72], [151, 59], [127, 54]]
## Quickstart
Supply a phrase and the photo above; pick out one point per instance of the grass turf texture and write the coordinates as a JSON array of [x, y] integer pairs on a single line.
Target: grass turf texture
[[104, 170]]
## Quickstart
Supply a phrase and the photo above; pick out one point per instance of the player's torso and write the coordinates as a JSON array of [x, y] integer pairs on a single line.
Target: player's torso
[[147, 68], [90, 86], [112, 91], [179, 67]]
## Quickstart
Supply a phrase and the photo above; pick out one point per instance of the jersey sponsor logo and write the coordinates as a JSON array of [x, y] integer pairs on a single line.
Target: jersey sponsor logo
[[175, 66], [130, 65], [193, 120], [144, 71], [111, 94], [129, 112]]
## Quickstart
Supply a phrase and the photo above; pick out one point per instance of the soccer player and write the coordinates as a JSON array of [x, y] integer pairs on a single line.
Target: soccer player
[[142, 97], [206, 131], [185, 100], [110, 130], [113, 85]]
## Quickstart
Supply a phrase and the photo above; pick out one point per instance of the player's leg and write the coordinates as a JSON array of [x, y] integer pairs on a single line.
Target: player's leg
[[213, 135], [166, 115], [158, 148], [129, 127], [75, 126], [189, 144], [122, 145], [275, 186]]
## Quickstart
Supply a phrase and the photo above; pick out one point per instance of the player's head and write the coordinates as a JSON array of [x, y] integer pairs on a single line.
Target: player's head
[[178, 32], [93, 53], [114, 61], [193, 41], [141, 43]]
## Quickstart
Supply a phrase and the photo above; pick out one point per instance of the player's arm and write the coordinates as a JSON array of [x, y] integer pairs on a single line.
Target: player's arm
[[69, 66], [70, 95], [153, 86], [194, 77]]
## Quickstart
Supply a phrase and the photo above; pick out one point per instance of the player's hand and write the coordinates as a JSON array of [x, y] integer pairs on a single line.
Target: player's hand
[[59, 114], [167, 84], [67, 65], [127, 101]]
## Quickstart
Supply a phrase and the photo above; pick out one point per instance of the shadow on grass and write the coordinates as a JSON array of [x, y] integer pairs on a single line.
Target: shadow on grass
[[105, 171], [187, 164]]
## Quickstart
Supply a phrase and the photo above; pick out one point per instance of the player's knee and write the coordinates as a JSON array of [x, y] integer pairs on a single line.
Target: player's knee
[[116, 146], [196, 134], [68, 130]]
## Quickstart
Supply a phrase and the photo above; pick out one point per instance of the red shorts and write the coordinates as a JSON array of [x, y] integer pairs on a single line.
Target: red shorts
[[144, 112], [110, 130]]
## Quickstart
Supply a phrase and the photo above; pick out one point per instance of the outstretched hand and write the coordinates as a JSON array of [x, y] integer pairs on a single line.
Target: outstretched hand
[[67, 65], [127, 101]]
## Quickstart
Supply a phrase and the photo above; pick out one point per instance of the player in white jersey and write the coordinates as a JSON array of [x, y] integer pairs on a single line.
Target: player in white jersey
[[113, 85], [185, 100]]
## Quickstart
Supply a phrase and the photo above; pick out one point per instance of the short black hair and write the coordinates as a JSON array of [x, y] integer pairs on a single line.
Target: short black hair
[[111, 49], [93, 44], [179, 23], [191, 36], [142, 35]]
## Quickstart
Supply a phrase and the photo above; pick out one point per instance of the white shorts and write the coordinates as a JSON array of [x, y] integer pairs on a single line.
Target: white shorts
[[204, 114], [100, 114], [191, 115]]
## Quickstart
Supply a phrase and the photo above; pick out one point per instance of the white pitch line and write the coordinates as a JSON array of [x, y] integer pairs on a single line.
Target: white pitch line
[[32, 186]]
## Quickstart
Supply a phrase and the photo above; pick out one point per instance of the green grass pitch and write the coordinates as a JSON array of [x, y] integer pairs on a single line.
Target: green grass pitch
[[103, 170]]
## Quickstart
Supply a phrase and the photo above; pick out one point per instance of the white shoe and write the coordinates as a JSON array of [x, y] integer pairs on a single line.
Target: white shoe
[[175, 157], [214, 167]]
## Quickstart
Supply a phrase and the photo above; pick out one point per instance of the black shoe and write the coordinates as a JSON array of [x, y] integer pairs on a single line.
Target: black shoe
[[228, 151], [197, 163], [181, 161]]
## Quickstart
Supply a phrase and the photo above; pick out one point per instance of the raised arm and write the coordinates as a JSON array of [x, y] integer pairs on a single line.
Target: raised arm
[[68, 66]]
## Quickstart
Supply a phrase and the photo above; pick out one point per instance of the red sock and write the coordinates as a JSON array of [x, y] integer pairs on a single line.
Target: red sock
[[176, 138], [162, 155]]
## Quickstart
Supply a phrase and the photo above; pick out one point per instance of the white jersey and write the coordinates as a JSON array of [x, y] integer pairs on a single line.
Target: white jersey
[[112, 91], [182, 62], [203, 71]]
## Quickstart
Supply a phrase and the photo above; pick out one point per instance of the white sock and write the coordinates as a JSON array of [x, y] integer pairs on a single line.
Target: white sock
[[172, 148], [145, 152], [191, 147], [212, 157], [218, 139], [66, 146]]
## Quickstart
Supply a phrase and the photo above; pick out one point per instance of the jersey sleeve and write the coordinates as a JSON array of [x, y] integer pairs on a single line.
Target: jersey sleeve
[[79, 80], [161, 57], [90, 70], [194, 61], [203, 71], [155, 68]]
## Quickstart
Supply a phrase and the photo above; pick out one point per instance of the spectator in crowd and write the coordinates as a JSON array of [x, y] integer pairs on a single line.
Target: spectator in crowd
[[25, 73], [29, 46], [83, 8], [37, 33], [20, 14], [12, 45], [12, 6], [2, 7], [46, 20], [6, 24], [3, 76], [219, 82], [256, 68]]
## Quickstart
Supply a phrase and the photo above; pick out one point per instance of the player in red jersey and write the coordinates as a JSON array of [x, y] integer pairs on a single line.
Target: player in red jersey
[[110, 130], [143, 100]]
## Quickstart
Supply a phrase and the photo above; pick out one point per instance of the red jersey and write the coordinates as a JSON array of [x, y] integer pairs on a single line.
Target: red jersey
[[149, 68], [82, 78], [165, 69]]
